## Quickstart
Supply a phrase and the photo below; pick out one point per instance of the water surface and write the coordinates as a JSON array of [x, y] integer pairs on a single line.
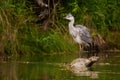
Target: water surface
[[50, 67]]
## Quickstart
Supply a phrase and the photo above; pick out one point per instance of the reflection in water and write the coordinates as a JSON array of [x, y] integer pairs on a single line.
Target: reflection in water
[[8, 71], [91, 74], [14, 71], [52, 68]]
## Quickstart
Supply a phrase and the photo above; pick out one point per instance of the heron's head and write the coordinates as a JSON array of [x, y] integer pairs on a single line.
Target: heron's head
[[69, 17]]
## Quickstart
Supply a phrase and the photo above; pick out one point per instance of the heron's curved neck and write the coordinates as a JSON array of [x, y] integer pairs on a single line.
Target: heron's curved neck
[[71, 24]]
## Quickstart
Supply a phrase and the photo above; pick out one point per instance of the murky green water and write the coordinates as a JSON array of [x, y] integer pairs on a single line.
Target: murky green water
[[50, 68]]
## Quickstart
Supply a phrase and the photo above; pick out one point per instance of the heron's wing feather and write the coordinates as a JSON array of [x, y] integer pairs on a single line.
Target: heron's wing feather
[[86, 38], [84, 33]]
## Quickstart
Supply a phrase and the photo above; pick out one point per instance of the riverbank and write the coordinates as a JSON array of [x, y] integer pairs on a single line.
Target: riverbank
[[21, 35]]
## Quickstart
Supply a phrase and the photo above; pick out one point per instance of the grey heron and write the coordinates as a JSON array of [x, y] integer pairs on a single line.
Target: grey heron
[[79, 33]]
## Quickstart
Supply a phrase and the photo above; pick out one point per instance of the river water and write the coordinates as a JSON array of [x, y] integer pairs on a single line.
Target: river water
[[50, 67]]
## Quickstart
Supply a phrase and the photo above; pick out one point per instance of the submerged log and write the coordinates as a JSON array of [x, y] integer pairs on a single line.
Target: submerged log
[[82, 64]]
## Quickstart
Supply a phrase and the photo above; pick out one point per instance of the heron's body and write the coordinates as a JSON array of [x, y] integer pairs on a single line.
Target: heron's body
[[79, 33], [75, 34]]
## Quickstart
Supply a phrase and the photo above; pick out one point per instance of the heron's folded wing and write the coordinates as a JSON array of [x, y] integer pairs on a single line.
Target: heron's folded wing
[[84, 33]]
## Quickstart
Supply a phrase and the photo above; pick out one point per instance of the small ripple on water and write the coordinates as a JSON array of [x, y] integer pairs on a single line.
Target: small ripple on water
[[109, 72]]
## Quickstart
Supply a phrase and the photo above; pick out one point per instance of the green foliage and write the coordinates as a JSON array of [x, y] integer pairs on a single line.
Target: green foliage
[[21, 36], [12, 18]]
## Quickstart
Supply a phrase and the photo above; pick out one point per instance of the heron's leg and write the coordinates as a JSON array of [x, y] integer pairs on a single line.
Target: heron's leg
[[80, 51], [90, 51], [97, 50]]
